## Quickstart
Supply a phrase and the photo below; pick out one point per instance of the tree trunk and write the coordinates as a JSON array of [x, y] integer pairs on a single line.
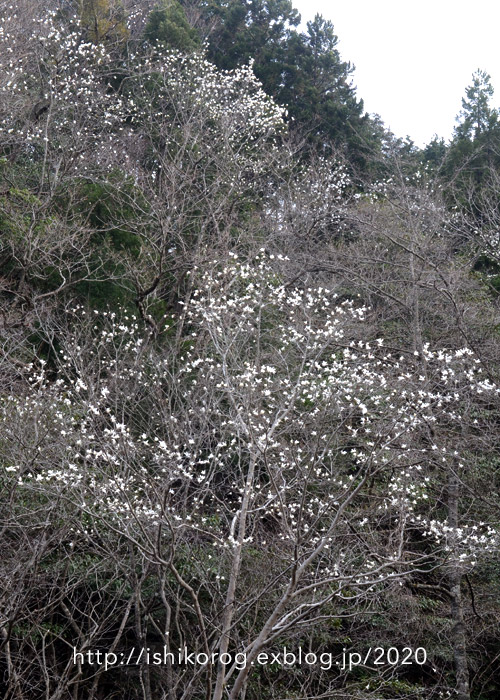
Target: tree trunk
[[457, 609], [228, 614]]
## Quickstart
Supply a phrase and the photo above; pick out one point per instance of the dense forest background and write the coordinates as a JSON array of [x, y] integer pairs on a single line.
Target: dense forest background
[[249, 369]]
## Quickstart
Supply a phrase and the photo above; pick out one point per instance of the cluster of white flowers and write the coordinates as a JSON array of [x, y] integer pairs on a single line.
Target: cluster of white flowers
[[54, 93], [462, 545], [314, 201], [64, 95]]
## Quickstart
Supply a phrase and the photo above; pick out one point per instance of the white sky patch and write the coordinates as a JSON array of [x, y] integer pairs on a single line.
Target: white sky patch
[[414, 60]]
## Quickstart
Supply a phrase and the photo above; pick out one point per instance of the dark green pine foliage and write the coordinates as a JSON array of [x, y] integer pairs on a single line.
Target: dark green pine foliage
[[434, 154], [474, 153], [167, 24], [258, 29], [321, 96], [477, 115]]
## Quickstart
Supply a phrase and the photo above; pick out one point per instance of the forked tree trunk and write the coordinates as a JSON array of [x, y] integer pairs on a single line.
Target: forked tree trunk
[[227, 618]]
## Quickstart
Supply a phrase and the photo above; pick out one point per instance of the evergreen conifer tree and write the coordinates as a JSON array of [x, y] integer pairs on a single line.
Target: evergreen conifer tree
[[477, 116]]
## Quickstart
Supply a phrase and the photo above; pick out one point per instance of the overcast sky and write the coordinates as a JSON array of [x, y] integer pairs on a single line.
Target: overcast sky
[[414, 60]]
